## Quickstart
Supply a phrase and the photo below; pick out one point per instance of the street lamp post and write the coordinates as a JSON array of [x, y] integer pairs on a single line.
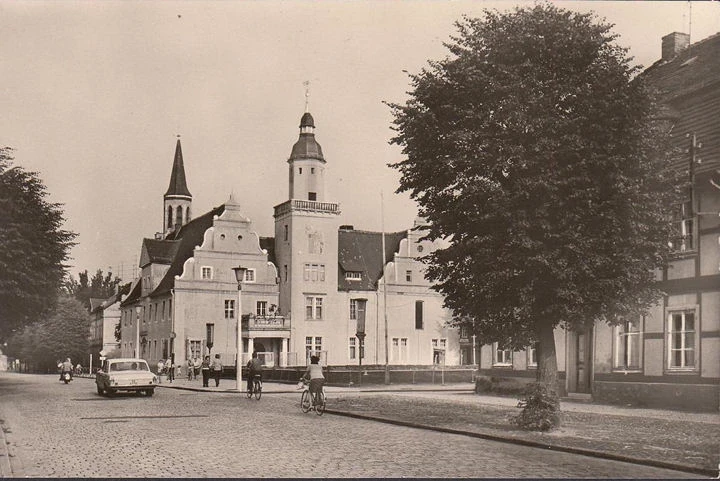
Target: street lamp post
[[239, 276]]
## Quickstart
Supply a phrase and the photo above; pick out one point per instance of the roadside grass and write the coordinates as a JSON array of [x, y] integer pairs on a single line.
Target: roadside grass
[[680, 442]]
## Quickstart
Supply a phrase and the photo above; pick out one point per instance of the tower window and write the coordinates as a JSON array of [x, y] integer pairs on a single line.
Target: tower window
[[312, 195], [299, 170], [312, 170], [169, 217], [178, 218]]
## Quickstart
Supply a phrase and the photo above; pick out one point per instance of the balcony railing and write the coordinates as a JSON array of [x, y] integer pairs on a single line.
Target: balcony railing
[[307, 205], [251, 321]]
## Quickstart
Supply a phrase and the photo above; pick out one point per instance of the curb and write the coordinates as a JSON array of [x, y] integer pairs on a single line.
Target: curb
[[6, 470], [523, 442], [490, 437]]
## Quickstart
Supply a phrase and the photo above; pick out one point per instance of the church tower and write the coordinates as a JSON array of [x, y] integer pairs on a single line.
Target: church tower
[[306, 246], [177, 199]]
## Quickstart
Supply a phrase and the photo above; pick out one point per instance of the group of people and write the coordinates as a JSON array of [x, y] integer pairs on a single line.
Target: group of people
[[212, 369]]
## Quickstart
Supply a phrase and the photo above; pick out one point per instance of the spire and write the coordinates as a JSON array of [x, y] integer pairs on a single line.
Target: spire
[[178, 185]]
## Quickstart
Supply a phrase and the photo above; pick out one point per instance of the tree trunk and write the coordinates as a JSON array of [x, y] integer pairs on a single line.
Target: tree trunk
[[547, 372]]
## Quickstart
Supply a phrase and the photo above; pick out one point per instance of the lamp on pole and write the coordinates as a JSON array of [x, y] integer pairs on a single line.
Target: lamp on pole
[[239, 276]]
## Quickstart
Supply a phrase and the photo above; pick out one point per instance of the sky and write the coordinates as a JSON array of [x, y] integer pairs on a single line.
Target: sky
[[94, 94]]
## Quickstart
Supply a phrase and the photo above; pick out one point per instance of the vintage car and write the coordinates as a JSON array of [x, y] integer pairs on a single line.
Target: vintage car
[[125, 374]]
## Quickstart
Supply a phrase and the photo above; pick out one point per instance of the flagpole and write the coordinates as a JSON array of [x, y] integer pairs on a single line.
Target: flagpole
[[382, 227]]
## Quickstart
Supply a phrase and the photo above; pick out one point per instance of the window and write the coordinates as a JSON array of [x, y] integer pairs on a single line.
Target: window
[[285, 270], [206, 272], [313, 307], [398, 352], [408, 276], [684, 228], [300, 170], [439, 343], [209, 334], [464, 332], [357, 309], [261, 308], [352, 354], [286, 232], [501, 356], [418, 314], [627, 346], [682, 339], [353, 276], [312, 170], [312, 195], [314, 272], [249, 275], [229, 309], [313, 347], [164, 348], [169, 217], [178, 217], [162, 314], [532, 356], [195, 349]]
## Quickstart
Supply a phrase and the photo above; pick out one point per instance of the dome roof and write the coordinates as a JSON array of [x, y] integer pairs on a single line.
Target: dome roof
[[307, 148], [307, 120]]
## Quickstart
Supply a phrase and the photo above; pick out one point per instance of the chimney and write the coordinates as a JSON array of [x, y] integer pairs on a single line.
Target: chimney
[[673, 44]]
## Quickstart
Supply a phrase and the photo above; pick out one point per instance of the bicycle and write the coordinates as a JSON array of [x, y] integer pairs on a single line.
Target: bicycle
[[306, 399], [255, 387]]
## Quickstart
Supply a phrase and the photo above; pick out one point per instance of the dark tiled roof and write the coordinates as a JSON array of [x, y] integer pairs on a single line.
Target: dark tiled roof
[[188, 236], [160, 251], [361, 251], [95, 303], [689, 86], [134, 294], [178, 185]]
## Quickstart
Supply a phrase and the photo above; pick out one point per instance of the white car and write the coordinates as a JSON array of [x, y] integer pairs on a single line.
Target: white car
[[125, 374]]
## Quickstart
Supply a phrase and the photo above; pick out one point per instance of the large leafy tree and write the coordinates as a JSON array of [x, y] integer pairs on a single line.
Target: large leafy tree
[[33, 246], [62, 333], [534, 152], [99, 286]]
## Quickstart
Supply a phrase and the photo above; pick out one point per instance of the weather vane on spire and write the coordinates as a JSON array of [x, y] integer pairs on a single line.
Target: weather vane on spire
[[178, 136], [307, 94]]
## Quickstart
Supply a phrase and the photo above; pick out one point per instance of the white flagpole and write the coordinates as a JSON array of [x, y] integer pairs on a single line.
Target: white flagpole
[[382, 227]]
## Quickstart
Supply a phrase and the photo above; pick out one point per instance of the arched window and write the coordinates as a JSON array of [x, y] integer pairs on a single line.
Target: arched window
[[169, 217], [187, 214], [178, 218]]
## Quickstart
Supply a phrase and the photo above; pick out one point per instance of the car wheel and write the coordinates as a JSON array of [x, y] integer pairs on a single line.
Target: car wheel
[[150, 392]]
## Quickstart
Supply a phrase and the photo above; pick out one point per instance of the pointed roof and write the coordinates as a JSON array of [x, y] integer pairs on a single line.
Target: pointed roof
[[178, 185]]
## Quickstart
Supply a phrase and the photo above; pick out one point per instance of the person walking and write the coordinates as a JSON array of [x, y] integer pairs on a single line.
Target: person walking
[[217, 369], [190, 369], [170, 369], [205, 369]]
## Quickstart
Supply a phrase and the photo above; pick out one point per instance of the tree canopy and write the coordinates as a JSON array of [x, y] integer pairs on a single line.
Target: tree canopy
[[64, 333], [534, 151], [33, 246], [99, 286]]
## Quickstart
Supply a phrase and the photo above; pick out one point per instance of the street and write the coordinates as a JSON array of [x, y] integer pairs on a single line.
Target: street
[[58, 430]]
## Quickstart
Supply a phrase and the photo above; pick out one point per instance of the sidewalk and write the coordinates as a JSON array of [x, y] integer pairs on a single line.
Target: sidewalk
[[679, 440]]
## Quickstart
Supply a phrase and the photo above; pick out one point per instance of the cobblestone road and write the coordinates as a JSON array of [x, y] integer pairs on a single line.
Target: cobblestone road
[[57, 430]]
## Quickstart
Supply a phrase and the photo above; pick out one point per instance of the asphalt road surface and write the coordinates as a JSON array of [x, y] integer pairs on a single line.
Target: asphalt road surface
[[57, 430]]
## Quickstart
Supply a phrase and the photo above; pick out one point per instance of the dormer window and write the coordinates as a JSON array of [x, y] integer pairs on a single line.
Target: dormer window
[[353, 276]]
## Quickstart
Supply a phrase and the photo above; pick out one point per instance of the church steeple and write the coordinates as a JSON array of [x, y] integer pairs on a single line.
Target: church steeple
[[178, 185], [177, 199]]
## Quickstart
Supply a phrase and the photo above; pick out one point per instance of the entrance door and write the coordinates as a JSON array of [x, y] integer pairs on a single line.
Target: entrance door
[[580, 361]]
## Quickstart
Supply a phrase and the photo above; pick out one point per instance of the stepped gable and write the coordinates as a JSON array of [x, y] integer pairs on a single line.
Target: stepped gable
[[361, 251], [188, 236]]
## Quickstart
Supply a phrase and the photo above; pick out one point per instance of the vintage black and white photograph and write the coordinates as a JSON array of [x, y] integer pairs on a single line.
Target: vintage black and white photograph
[[359, 239]]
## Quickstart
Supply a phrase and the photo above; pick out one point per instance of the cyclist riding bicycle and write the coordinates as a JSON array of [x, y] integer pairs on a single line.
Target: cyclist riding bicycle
[[254, 368], [315, 373]]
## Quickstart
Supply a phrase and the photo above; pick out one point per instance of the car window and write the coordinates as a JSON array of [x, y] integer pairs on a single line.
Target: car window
[[129, 366]]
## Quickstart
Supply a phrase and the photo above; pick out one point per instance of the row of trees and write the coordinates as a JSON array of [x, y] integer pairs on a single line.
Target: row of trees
[[43, 310]]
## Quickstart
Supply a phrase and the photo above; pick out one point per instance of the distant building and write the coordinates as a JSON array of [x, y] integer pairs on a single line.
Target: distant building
[[671, 356], [309, 290], [104, 316]]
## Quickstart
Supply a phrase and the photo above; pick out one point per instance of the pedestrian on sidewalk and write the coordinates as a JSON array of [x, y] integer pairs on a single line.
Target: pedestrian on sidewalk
[[170, 369], [205, 368], [190, 369], [217, 369]]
